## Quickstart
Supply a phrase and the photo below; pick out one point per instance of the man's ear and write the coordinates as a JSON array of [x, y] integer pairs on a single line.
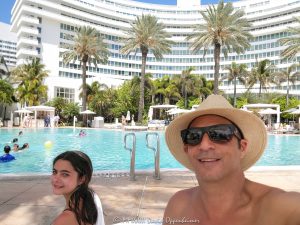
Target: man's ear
[[243, 147]]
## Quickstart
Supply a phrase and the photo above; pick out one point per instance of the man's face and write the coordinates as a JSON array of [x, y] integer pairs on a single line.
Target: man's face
[[211, 160]]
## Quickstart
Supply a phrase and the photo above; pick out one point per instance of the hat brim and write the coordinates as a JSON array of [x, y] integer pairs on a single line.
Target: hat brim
[[251, 126]]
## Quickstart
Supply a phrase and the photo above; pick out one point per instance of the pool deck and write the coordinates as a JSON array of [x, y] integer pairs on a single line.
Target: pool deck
[[29, 200]]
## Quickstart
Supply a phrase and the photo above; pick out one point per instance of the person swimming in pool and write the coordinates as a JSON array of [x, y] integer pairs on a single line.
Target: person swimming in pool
[[7, 157], [82, 133], [17, 148]]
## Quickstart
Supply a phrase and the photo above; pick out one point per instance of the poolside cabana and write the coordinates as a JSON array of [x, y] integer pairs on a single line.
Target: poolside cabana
[[152, 114], [258, 106], [41, 110]]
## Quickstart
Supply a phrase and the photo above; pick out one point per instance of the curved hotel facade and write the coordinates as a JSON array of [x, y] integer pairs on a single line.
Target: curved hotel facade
[[44, 27]]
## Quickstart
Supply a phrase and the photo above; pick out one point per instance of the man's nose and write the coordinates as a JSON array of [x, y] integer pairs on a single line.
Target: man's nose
[[205, 143]]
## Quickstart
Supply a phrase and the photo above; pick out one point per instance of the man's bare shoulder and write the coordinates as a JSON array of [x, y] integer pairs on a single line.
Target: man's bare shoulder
[[287, 204], [179, 202], [278, 203]]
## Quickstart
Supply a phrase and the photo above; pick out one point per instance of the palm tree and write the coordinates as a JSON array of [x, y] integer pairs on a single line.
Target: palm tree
[[205, 89], [236, 72], [187, 83], [30, 78], [170, 92], [225, 29], [263, 74], [88, 48], [293, 42], [289, 75], [6, 94], [146, 34]]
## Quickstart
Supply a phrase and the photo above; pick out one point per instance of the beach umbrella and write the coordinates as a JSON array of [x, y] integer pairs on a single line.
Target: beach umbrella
[[128, 116], [23, 111], [296, 112], [246, 110], [87, 113], [268, 112], [178, 111]]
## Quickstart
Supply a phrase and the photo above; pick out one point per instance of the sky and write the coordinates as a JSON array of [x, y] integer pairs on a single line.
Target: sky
[[6, 6]]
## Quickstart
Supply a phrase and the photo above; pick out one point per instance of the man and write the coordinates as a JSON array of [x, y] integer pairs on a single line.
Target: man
[[218, 143]]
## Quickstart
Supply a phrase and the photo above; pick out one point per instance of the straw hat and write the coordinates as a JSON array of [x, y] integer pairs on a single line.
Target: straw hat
[[251, 126]]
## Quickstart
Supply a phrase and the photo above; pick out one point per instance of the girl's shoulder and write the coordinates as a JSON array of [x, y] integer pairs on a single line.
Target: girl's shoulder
[[66, 217]]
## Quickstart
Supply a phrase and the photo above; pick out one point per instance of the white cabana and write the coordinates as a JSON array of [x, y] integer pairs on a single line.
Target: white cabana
[[276, 107], [87, 112], [165, 107], [41, 108], [21, 112]]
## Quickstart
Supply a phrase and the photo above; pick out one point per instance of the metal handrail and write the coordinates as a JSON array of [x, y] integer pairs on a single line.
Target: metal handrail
[[132, 154], [156, 153]]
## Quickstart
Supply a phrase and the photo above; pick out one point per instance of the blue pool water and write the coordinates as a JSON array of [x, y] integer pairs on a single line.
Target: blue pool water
[[105, 147]]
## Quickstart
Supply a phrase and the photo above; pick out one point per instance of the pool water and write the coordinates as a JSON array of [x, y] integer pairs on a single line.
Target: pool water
[[106, 149]]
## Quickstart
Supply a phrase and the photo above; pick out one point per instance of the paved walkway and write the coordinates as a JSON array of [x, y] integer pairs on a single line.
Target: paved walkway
[[29, 200]]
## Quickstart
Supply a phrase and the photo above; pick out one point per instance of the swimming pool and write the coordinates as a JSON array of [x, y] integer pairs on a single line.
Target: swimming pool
[[105, 147]]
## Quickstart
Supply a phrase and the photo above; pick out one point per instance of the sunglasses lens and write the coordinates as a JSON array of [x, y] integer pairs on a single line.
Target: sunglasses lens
[[220, 133], [191, 137], [216, 133]]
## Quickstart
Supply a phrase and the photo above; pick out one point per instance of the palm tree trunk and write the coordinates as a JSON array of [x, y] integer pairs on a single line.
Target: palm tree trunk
[[217, 53], [234, 92], [259, 94], [84, 60], [142, 85], [287, 92]]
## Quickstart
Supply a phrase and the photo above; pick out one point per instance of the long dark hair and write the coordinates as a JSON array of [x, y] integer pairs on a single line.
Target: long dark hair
[[81, 201]]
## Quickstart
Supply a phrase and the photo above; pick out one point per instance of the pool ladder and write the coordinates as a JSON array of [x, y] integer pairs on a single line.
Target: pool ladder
[[156, 151], [132, 154]]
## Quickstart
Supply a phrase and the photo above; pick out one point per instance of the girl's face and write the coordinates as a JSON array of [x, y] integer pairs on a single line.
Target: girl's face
[[64, 178]]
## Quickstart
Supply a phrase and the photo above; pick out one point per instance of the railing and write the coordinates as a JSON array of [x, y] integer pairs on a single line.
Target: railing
[[156, 152], [132, 154]]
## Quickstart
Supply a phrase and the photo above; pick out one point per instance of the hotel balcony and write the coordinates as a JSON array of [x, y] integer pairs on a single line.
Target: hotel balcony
[[27, 30], [28, 20], [27, 52], [27, 41]]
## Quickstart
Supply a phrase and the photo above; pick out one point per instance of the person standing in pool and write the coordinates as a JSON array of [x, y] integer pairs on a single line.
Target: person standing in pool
[[71, 175], [7, 157]]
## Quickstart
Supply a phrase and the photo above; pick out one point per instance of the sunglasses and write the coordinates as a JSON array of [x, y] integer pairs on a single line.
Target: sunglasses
[[220, 133]]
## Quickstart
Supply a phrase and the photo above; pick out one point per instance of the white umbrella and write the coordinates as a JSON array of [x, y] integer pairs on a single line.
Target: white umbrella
[[246, 110], [23, 111], [296, 112], [128, 116], [267, 111], [178, 111], [87, 112]]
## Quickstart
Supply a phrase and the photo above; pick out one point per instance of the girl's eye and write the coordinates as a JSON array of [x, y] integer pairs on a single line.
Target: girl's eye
[[65, 174], [54, 172]]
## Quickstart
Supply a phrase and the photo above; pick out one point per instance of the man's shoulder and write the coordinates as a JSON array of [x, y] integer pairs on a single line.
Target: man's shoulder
[[183, 197], [282, 204]]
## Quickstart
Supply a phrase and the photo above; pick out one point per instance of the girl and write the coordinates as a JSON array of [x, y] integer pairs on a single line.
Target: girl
[[72, 172]]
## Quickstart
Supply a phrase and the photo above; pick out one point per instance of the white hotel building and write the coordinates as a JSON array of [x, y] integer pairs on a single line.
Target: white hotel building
[[8, 42], [44, 26]]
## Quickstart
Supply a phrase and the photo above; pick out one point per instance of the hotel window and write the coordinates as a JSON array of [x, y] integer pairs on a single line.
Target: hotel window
[[65, 93]]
